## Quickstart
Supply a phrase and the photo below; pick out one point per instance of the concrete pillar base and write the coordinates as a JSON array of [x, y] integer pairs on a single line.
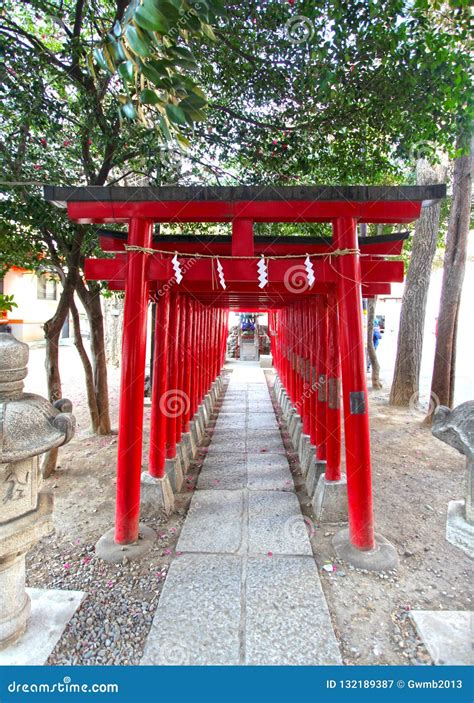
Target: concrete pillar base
[[309, 453], [108, 550], [156, 493], [187, 439], [184, 456], [315, 470], [330, 500], [291, 421], [303, 443], [297, 433], [208, 405], [196, 430], [175, 473], [214, 392], [382, 558], [202, 419], [458, 530]]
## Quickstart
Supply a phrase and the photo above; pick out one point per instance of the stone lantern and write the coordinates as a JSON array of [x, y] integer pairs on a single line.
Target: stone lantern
[[456, 428], [29, 426]]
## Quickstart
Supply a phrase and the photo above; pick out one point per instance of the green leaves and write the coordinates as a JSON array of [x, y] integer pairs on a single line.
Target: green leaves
[[176, 114], [149, 17], [150, 53], [138, 41]]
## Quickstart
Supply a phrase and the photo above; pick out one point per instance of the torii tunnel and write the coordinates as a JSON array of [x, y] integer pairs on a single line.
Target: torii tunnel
[[316, 330]]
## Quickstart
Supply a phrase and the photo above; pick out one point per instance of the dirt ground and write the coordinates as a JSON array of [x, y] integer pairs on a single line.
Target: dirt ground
[[414, 477]]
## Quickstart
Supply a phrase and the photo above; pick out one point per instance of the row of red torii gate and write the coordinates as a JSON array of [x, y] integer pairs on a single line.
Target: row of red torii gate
[[315, 329]]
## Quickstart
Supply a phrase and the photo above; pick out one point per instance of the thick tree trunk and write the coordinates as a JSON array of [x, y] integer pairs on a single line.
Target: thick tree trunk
[[113, 319], [52, 332], [374, 362], [406, 376], [442, 382], [88, 371], [90, 298]]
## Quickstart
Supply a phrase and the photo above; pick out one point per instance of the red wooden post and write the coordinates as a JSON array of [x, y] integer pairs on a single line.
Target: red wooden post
[[193, 370], [333, 409], [314, 374], [132, 384], [306, 410], [321, 371], [181, 394], [172, 402], [199, 349], [188, 364], [158, 421], [356, 418]]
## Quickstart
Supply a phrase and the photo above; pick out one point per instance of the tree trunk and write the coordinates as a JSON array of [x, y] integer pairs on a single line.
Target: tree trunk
[[90, 298], [374, 362], [113, 319], [52, 332], [88, 371], [406, 376], [442, 382]]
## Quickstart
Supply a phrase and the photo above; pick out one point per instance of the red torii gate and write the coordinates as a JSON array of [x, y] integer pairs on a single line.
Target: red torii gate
[[316, 332]]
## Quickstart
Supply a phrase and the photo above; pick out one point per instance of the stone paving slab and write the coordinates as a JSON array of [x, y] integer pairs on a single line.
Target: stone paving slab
[[287, 618], [213, 523], [268, 472], [223, 471], [231, 409], [276, 524], [227, 442], [51, 610], [198, 617], [231, 421], [447, 635], [264, 421], [264, 440]]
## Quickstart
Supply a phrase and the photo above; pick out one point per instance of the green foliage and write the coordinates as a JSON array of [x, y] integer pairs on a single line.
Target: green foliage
[[7, 303], [145, 51]]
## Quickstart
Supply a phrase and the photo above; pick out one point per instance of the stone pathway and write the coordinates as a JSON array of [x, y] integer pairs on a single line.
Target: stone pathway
[[244, 587]]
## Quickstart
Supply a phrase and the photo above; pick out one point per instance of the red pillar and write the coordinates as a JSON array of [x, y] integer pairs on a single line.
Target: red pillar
[[333, 409], [194, 367], [181, 394], [306, 409], [132, 384], [172, 402], [158, 420], [314, 375], [188, 364], [355, 401], [321, 370]]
